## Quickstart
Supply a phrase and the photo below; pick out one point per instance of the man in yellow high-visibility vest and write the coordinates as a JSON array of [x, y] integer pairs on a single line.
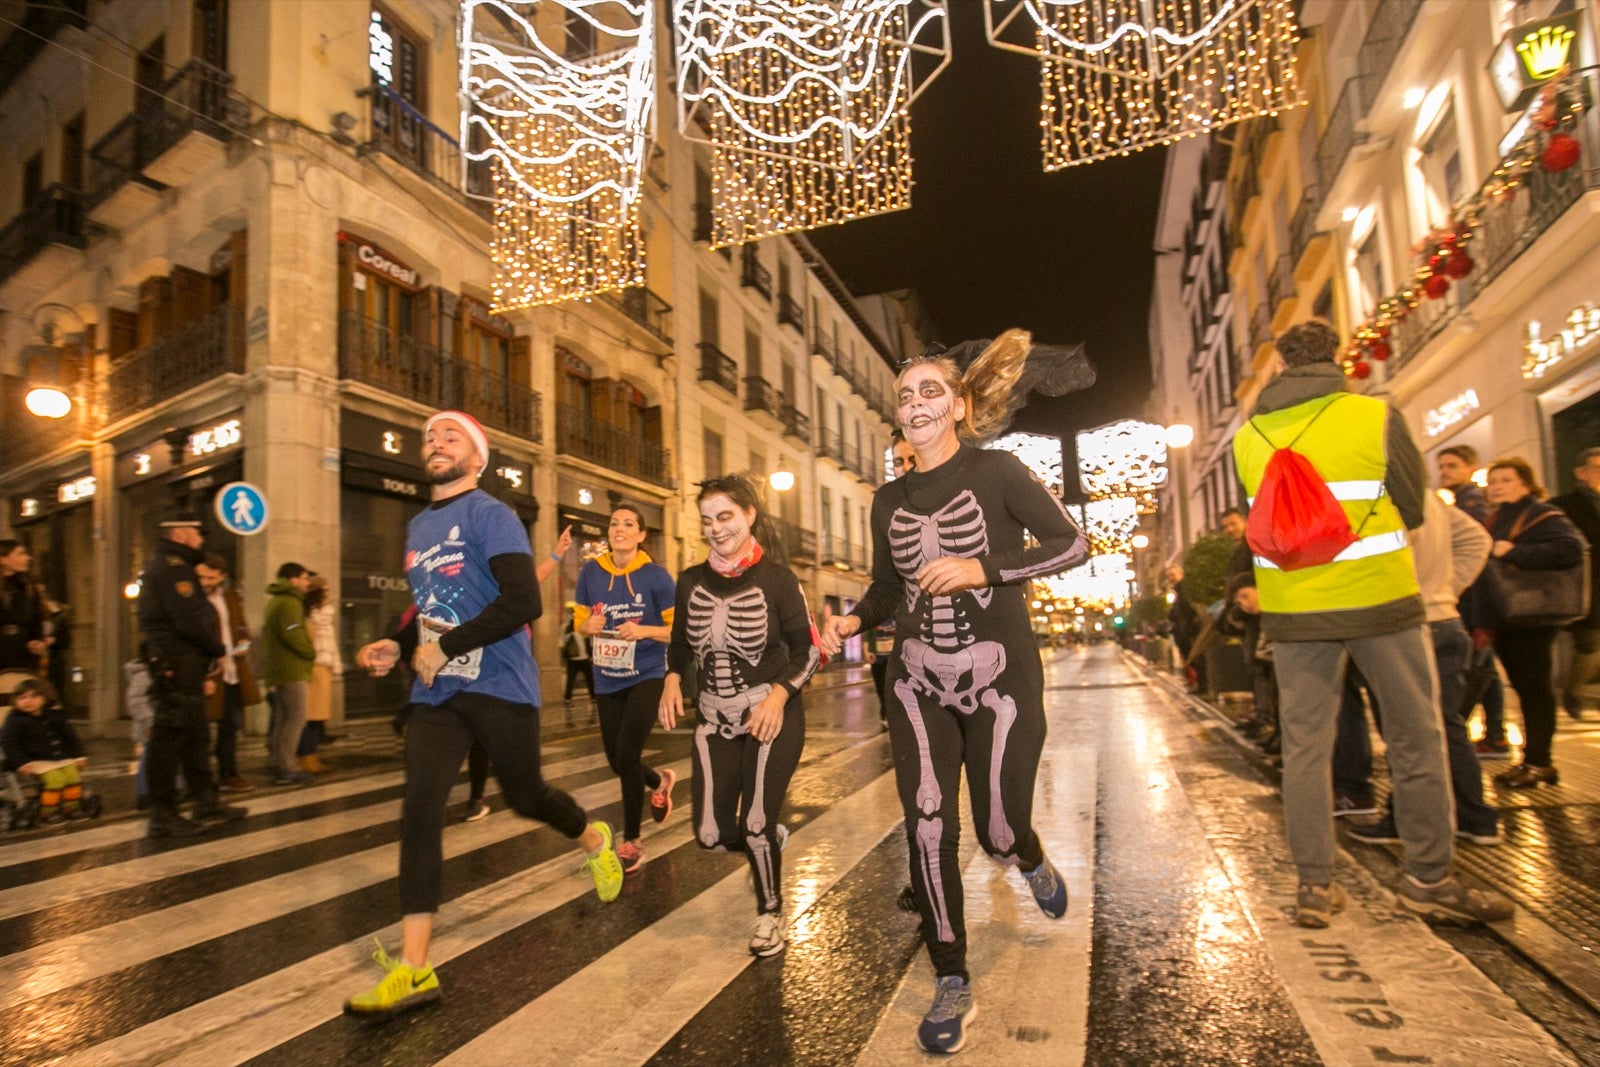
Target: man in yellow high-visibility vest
[[1365, 607]]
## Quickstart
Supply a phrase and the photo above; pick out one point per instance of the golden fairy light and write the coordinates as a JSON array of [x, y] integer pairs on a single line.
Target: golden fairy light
[[565, 129], [806, 105], [1126, 458], [1122, 75]]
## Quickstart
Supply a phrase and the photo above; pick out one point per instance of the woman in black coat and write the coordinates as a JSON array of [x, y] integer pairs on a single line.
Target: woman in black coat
[[1530, 535]]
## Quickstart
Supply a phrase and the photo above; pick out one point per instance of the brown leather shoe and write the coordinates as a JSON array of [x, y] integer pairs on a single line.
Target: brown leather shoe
[[1526, 776]]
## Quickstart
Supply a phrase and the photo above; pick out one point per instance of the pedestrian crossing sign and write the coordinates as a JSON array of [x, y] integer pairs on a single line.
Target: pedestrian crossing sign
[[241, 508]]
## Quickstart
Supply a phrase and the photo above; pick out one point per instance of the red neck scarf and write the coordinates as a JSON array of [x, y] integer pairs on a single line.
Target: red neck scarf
[[737, 567]]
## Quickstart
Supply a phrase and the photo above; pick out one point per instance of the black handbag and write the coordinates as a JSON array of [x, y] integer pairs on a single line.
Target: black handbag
[[1522, 599]]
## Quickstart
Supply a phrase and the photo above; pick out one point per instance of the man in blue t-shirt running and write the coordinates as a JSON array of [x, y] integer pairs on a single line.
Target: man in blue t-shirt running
[[471, 572]]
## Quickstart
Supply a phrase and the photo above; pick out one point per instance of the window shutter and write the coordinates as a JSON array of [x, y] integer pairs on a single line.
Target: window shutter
[[122, 333], [191, 292], [155, 309]]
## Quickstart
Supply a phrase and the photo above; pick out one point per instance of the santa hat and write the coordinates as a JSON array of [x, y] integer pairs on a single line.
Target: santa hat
[[469, 426]]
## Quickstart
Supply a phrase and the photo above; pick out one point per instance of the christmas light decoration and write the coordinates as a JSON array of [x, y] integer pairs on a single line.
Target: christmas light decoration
[[1101, 582], [566, 138], [806, 105], [1122, 75], [1127, 458], [1040, 453]]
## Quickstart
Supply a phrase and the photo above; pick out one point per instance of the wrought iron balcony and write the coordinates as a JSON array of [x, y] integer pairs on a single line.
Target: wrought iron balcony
[[1304, 225], [1280, 283], [717, 367], [578, 433], [188, 356], [55, 218], [830, 445], [1386, 35], [1339, 137], [759, 395], [378, 356], [789, 313], [1509, 229], [644, 307], [799, 544], [821, 347], [405, 135], [752, 275], [796, 423]]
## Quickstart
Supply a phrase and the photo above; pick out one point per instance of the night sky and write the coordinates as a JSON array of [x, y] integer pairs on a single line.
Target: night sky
[[992, 241]]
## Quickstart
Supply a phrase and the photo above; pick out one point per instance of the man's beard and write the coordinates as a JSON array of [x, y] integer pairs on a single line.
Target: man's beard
[[446, 475]]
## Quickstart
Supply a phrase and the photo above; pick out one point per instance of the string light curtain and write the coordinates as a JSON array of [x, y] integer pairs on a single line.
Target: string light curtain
[[1127, 458], [560, 99], [1122, 75], [806, 105], [1040, 453]]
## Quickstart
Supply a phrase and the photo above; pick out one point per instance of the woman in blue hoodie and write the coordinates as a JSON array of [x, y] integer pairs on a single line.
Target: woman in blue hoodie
[[624, 605]]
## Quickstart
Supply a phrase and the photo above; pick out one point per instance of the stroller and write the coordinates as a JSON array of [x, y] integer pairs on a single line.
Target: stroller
[[19, 793]]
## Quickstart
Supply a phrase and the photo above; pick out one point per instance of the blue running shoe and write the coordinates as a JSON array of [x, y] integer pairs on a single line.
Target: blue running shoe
[[944, 1028], [1048, 889]]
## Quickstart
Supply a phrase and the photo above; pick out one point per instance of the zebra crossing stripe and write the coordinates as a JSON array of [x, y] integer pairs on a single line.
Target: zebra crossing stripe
[[667, 972]]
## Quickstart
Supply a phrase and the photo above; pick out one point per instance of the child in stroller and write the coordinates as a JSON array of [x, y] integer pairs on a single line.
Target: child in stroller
[[42, 749]]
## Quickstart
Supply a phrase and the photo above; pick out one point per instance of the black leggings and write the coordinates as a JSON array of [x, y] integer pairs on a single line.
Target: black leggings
[[477, 770], [626, 717], [1527, 656], [931, 744], [437, 740], [739, 787]]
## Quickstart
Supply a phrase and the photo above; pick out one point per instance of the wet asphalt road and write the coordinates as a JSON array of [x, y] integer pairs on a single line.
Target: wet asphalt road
[[240, 947]]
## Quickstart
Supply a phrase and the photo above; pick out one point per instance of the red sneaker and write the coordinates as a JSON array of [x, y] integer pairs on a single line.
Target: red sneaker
[[661, 799], [630, 855]]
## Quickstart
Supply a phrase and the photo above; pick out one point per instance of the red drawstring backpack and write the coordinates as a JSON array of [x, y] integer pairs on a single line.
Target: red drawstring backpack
[[1296, 521]]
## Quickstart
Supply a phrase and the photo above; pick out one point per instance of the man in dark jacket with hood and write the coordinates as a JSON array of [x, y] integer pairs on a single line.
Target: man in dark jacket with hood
[[1364, 606], [287, 658], [181, 646]]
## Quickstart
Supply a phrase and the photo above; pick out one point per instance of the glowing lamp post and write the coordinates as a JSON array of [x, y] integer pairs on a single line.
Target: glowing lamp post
[[1180, 435]]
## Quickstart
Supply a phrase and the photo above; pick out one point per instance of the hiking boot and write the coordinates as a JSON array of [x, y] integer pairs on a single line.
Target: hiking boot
[[404, 988], [169, 823], [477, 809], [767, 938], [1048, 888], [1316, 905], [603, 866], [661, 799], [944, 1028], [1451, 902], [630, 855], [1381, 832]]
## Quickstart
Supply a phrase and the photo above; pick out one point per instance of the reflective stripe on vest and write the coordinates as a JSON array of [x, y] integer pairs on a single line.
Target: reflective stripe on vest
[[1376, 545], [1361, 489]]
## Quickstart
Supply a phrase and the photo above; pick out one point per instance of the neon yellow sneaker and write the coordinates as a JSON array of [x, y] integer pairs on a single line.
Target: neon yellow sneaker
[[604, 866], [403, 989]]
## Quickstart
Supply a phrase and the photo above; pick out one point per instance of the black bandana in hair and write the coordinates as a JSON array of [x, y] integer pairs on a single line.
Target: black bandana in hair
[[1052, 370]]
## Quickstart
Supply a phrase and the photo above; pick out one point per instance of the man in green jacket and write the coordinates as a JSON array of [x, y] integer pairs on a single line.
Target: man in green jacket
[[287, 656]]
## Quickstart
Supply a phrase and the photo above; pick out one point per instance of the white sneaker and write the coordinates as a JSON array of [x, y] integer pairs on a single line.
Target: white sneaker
[[767, 939]]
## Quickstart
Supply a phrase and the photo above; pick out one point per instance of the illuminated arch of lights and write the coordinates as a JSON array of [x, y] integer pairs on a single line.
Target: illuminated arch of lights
[[1100, 583], [806, 105], [565, 139], [1040, 453], [1109, 523], [1122, 75], [1123, 458]]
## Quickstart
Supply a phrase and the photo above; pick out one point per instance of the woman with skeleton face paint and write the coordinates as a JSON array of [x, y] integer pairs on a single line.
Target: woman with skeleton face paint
[[743, 619], [965, 685]]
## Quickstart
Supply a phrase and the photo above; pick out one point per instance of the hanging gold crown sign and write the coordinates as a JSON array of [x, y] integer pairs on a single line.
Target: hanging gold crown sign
[[1544, 51]]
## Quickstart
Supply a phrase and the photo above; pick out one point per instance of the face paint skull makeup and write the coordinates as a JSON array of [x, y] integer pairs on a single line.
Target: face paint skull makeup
[[928, 408]]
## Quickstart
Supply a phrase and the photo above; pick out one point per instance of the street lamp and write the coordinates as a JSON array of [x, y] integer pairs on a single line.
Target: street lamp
[[47, 396], [1180, 435], [782, 481]]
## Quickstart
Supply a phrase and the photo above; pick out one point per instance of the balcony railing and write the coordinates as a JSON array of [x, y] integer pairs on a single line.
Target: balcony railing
[[198, 99], [1509, 229], [1386, 35], [116, 158], [796, 423], [1340, 135], [759, 395], [578, 433], [799, 544], [1303, 227], [186, 357], [789, 313], [374, 354], [840, 552], [717, 367], [752, 275], [821, 347], [831, 446], [644, 307], [55, 218], [405, 135]]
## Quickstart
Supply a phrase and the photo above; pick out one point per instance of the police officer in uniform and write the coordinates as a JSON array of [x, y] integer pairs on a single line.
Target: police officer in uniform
[[182, 644]]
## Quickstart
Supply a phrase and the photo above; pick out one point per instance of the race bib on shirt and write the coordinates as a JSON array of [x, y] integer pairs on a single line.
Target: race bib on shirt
[[612, 652], [437, 621]]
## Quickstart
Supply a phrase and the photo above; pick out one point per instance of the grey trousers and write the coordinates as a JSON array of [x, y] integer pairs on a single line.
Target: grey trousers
[[1400, 669], [284, 738]]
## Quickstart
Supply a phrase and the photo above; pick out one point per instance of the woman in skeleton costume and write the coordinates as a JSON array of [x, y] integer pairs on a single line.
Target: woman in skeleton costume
[[743, 619], [966, 685]]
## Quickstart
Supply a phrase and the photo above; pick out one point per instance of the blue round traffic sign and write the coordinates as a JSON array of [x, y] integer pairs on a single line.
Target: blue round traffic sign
[[241, 508]]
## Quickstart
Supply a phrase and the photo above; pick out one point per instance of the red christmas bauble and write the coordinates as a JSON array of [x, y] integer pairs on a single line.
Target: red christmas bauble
[[1459, 265], [1383, 331], [1379, 351], [1436, 286], [1361, 370], [1435, 261], [1560, 152]]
